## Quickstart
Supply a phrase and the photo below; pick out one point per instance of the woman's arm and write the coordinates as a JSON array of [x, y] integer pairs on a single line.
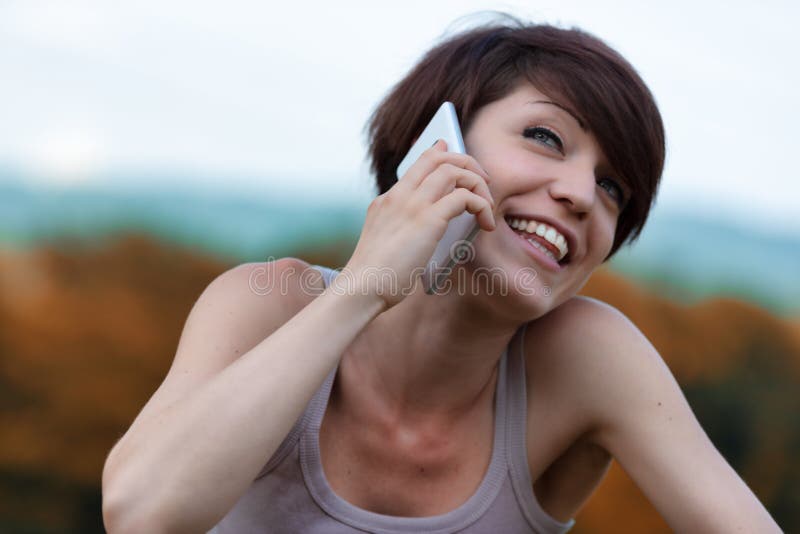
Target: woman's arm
[[640, 415], [246, 367], [217, 417]]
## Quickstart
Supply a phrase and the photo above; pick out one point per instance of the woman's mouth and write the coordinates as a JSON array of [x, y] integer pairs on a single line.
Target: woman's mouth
[[543, 238]]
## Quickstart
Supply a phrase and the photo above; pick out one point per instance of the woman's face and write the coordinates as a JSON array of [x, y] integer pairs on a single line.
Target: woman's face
[[545, 169]]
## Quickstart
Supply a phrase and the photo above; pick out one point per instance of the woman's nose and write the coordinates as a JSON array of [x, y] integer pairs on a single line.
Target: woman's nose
[[575, 188]]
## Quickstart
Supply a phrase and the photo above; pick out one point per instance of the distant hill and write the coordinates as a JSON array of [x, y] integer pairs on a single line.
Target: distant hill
[[685, 256], [88, 331], [227, 225], [691, 255]]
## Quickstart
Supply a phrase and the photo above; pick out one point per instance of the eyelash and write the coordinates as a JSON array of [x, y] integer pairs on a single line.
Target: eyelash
[[532, 133]]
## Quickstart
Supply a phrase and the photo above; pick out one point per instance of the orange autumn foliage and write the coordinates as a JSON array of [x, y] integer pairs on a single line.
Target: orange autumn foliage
[[87, 333]]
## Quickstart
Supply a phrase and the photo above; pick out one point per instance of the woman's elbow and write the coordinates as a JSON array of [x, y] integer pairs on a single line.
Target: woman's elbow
[[124, 513]]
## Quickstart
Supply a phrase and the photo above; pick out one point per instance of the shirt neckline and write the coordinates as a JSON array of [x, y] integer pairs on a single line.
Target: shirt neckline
[[468, 512]]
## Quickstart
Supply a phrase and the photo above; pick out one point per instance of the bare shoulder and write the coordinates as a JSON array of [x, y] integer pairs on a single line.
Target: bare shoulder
[[563, 349], [580, 327], [285, 282], [566, 464], [590, 351], [235, 312], [248, 302], [587, 356], [279, 278], [586, 315], [633, 407], [581, 332]]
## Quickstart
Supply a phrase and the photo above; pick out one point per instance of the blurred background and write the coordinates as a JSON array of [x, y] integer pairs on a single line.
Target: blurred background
[[146, 147]]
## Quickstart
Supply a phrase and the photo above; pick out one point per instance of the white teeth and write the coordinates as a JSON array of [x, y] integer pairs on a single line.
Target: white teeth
[[542, 248], [542, 230]]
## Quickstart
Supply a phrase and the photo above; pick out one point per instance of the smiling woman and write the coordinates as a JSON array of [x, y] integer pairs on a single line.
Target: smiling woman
[[616, 107], [354, 402]]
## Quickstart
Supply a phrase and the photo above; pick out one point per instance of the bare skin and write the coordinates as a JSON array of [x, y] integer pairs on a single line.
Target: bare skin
[[409, 427], [378, 461], [408, 430], [419, 381]]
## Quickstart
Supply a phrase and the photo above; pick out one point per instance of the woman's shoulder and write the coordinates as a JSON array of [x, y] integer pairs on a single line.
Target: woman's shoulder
[[581, 350], [566, 465], [595, 360], [585, 323], [287, 279], [579, 324], [580, 308], [259, 296]]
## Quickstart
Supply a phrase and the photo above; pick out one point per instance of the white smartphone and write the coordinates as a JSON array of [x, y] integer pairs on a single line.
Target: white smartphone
[[455, 245]]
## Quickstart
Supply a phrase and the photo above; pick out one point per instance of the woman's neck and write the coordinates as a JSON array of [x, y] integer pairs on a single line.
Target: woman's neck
[[429, 359]]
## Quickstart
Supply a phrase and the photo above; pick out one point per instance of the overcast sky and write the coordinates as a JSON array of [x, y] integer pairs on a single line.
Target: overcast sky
[[275, 94]]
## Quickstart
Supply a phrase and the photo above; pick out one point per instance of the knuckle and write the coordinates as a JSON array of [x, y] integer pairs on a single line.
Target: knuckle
[[463, 193], [453, 158], [462, 172], [433, 154], [464, 159], [461, 160], [475, 165], [385, 199], [449, 167]]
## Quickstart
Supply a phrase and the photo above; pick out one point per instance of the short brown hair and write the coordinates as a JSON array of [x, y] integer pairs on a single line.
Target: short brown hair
[[484, 64]]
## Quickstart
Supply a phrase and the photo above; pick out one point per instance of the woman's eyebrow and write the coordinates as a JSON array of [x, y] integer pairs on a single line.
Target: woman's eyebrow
[[573, 115]]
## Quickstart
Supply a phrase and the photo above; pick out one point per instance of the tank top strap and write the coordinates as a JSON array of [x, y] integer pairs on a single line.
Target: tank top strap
[[515, 400], [516, 440], [327, 273], [455, 520]]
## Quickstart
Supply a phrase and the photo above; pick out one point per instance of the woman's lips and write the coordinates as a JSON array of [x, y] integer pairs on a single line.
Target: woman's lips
[[539, 256]]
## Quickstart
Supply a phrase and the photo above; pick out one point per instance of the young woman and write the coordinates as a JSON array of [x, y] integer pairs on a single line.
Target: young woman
[[366, 404]]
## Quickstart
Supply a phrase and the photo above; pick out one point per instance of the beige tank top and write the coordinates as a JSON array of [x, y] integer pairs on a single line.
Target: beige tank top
[[292, 495]]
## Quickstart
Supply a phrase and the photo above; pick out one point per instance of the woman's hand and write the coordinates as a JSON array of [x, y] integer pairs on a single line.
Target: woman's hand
[[404, 224]]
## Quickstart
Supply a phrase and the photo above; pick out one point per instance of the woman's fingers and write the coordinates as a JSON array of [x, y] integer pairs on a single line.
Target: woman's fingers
[[447, 177], [438, 174], [435, 157], [404, 224], [459, 200]]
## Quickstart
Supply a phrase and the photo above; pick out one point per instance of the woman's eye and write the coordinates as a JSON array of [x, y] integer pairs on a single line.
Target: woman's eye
[[614, 189], [544, 136], [549, 138]]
